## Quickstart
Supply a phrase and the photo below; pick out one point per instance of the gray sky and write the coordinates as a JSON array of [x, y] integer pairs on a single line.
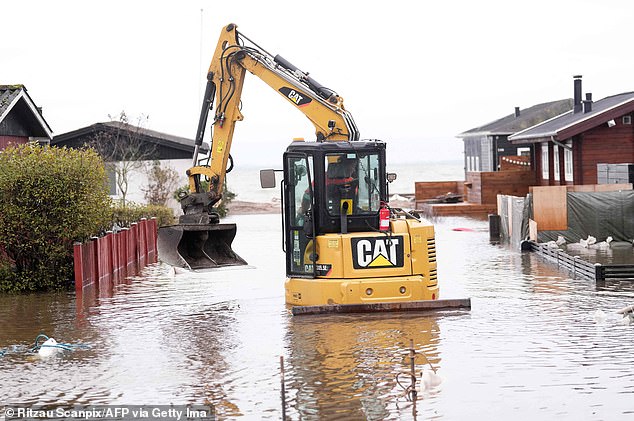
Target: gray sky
[[412, 73]]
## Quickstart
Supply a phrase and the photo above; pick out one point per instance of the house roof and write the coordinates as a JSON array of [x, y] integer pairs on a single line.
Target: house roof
[[528, 117], [569, 124], [163, 139], [15, 99]]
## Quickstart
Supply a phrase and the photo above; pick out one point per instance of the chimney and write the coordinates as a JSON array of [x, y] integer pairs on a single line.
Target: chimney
[[587, 103], [517, 111], [577, 97]]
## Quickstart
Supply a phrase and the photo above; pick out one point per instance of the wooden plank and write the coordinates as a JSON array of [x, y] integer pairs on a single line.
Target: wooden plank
[[599, 187], [613, 187], [550, 209], [426, 305], [425, 190], [452, 209]]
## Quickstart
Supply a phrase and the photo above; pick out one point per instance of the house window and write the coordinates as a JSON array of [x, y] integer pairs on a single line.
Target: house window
[[627, 119], [112, 181], [568, 162], [545, 174], [556, 161], [524, 152]]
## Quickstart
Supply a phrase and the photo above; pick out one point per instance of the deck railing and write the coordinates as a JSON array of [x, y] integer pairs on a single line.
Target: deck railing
[[579, 267]]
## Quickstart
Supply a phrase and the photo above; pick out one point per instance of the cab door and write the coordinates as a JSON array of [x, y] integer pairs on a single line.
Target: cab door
[[299, 226]]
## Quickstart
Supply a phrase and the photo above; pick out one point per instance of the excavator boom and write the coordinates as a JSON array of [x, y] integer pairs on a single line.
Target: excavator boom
[[199, 241]]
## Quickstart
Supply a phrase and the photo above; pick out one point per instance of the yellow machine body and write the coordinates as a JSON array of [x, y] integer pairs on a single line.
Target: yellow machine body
[[373, 272]]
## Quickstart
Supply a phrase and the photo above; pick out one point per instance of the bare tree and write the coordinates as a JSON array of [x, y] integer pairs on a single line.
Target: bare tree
[[162, 182], [123, 148]]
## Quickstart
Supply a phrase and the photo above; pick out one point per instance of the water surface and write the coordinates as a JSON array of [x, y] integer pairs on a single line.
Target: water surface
[[529, 349]]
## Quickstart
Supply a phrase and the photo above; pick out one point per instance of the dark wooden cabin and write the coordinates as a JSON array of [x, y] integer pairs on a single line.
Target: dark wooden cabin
[[571, 146], [160, 146], [484, 146]]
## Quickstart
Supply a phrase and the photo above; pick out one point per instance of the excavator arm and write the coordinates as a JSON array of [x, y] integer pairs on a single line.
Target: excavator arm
[[199, 240], [231, 59]]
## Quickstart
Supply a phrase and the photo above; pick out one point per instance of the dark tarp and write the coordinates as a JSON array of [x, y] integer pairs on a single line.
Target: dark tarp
[[599, 214]]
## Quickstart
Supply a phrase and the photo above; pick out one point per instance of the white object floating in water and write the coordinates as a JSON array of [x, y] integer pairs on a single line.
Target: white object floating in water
[[179, 270], [605, 244], [429, 379], [626, 310], [600, 316], [49, 348], [588, 242]]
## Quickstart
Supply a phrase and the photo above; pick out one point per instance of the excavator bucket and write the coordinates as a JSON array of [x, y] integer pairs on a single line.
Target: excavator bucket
[[198, 246]]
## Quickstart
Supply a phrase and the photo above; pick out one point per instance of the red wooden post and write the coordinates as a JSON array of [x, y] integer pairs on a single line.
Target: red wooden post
[[78, 259], [114, 253], [94, 258], [152, 239], [124, 251], [142, 243], [134, 249]]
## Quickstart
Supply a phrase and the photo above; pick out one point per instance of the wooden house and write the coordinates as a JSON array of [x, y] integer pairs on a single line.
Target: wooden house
[[486, 145], [570, 147], [21, 120]]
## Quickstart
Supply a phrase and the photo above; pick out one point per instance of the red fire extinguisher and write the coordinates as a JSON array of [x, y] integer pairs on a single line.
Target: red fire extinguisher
[[384, 218]]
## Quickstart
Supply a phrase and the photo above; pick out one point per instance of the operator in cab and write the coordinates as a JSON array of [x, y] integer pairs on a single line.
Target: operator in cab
[[342, 183]]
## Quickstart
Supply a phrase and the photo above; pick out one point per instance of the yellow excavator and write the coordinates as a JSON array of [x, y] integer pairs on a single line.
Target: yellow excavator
[[344, 245]]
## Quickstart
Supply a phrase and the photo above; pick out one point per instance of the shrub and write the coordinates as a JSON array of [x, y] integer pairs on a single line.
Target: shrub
[[49, 198], [123, 216]]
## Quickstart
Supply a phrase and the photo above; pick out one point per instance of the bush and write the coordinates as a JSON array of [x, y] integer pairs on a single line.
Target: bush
[[49, 198], [123, 216]]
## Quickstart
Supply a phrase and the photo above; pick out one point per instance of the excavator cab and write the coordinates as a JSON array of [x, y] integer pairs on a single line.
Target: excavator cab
[[329, 188]]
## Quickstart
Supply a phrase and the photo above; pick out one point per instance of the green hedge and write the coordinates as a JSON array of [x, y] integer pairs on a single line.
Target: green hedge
[[49, 198], [123, 216]]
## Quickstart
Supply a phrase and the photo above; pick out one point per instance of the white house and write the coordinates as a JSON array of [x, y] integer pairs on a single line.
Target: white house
[[121, 142]]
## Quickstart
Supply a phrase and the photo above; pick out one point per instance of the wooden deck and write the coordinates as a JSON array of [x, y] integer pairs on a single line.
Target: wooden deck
[[455, 209]]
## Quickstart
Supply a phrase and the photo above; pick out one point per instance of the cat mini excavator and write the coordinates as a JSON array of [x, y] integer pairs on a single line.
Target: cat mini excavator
[[344, 245]]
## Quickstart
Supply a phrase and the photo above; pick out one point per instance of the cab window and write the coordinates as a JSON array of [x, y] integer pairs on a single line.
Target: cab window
[[352, 183]]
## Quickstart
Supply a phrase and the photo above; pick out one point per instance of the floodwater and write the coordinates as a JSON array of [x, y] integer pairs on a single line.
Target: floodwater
[[529, 349]]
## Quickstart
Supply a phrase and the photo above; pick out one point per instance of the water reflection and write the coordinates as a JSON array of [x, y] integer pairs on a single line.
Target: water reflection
[[345, 366]]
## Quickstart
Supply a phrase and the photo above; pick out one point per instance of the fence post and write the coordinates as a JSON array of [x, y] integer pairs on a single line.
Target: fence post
[[134, 243], [78, 261], [599, 272], [94, 258]]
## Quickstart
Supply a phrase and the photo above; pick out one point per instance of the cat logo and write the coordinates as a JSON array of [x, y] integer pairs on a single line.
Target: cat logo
[[377, 252], [298, 98]]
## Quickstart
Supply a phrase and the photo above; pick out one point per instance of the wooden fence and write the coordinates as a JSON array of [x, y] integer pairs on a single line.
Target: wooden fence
[[115, 256], [483, 187], [579, 267]]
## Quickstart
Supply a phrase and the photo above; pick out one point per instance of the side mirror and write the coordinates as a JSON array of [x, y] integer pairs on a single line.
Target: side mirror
[[267, 179]]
